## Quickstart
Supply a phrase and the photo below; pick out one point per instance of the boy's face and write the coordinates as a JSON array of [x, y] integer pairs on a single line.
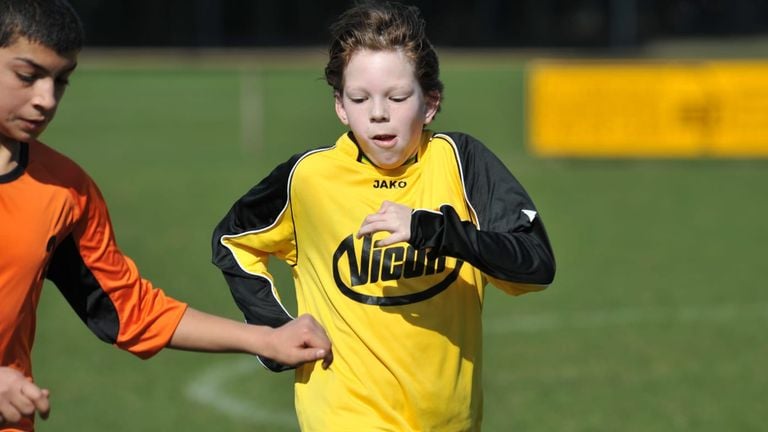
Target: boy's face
[[33, 78], [384, 106]]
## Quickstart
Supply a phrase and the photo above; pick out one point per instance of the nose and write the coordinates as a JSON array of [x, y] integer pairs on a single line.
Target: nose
[[45, 97], [379, 111]]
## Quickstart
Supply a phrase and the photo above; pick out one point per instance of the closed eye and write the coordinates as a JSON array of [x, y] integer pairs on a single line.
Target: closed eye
[[26, 78]]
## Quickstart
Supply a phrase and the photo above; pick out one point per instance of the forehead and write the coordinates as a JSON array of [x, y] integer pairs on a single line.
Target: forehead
[[22, 51], [377, 67]]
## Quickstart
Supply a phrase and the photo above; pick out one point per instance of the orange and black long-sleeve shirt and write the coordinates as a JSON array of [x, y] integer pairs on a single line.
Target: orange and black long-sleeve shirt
[[54, 224]]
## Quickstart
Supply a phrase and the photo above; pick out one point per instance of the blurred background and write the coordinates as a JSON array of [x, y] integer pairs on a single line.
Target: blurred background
[[638, 127], [490, 23]]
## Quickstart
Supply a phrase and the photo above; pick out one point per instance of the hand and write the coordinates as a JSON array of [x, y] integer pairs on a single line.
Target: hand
[[20, 397], [393, 218], [300, 341]]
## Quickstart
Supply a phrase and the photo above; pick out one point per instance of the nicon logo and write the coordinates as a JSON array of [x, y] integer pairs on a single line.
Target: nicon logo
[[371, 265]]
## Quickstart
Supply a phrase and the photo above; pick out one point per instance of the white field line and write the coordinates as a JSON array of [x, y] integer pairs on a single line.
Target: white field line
[[624, 316], [210, 389]]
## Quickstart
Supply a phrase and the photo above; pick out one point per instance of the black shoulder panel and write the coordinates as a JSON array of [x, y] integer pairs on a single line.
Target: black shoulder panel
[[498, 204]]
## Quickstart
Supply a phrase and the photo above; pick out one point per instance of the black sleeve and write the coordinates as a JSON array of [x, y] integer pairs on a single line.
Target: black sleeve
[[69, 272], [253, 293], [511, 243]]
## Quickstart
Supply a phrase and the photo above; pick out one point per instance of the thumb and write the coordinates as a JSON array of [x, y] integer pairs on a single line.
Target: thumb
[[311, 354], [316, 353], [45, 409]]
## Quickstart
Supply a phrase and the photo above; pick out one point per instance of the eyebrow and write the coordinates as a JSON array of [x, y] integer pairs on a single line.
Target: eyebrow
[[41, 68], [395, 88]]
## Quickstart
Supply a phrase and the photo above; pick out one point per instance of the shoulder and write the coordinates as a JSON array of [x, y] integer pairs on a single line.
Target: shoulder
[[470, 151], [284, 172], [53, 167], [314, 155], [61, 180], [274, 187], [464, 143], [263, 203], [314, 162]]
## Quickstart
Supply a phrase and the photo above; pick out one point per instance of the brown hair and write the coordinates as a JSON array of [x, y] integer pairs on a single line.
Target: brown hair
[[379, 26]]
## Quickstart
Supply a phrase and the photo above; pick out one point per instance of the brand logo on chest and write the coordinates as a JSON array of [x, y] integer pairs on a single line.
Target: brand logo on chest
[[392, 264], [389, 184]]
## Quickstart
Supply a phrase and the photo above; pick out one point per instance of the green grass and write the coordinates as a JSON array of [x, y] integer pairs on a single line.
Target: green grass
[[656, 320]]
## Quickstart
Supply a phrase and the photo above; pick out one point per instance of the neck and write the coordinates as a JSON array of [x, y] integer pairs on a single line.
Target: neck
[[411, 159], [9, 156]]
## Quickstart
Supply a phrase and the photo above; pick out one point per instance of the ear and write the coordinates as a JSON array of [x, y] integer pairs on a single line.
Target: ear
[[341, 113], [432, 100]]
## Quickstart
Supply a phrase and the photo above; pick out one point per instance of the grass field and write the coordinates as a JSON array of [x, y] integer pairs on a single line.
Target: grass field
[[656, 321]]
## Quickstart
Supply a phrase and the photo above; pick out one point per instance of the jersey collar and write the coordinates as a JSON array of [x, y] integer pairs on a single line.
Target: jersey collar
[[349, 146], [20, 167]]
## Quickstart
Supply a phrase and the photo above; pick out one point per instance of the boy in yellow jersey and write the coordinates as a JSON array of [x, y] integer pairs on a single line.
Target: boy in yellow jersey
[[392, 234], [54, 224]]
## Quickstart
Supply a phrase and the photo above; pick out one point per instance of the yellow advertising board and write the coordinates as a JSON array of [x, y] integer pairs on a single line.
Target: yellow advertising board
[[647, 109]]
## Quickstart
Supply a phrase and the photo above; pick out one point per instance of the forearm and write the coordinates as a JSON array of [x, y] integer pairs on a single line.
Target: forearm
[[298, 341], [519, 257], [199, 331]]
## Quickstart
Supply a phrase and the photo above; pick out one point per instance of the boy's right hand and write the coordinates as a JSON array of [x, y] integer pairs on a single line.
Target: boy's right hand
[[20, 397], [300, 341], [391, 217]]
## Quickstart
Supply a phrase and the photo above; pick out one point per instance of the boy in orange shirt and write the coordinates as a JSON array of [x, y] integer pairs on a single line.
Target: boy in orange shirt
[[54, 225]]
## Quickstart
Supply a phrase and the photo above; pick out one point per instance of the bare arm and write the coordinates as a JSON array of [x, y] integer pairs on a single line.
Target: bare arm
[[299, 341]]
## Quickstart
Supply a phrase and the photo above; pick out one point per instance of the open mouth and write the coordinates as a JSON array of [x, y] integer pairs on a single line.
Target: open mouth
[[384, 139]]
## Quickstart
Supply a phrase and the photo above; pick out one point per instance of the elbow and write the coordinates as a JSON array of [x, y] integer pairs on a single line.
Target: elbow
[[548, 270], [543, 273], [540, 275], [539, 264], [548, 277], [543, 277]]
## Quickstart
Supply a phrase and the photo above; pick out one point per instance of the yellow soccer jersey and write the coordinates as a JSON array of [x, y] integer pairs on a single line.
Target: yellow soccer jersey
[[405, 320]]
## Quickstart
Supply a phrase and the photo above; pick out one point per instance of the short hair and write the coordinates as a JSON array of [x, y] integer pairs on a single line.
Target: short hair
[[52, 23], [380, 26]]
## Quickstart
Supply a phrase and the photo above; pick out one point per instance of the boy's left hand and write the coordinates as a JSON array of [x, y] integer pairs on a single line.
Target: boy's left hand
[[393, 218]]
